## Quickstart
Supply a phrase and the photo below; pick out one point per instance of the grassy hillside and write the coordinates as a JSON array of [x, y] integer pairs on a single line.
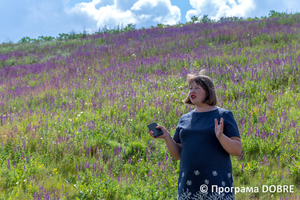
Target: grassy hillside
[[73, 113]]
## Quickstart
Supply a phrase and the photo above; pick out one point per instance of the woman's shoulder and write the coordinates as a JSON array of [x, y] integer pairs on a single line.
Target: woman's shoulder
[[225, 113], [186, 115]]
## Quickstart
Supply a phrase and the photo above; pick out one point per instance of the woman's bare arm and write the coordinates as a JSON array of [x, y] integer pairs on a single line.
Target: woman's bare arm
[[232, 145], [173, 147]]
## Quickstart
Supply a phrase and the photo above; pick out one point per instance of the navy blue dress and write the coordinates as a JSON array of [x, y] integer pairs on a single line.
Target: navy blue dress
[[203, 161]]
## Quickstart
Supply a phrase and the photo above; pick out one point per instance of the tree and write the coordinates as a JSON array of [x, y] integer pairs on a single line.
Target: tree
[[205, 19], [194, 19]]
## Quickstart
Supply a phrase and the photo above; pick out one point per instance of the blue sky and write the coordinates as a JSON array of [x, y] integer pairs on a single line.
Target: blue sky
[[33, 18]]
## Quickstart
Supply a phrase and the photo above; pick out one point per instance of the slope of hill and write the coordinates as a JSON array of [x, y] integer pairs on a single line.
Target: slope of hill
[[74, 112]]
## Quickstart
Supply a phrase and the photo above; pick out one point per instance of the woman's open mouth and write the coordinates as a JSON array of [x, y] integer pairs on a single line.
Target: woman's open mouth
[[193, 96]]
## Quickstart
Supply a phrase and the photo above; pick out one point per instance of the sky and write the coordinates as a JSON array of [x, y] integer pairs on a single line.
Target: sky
[[33, 18]]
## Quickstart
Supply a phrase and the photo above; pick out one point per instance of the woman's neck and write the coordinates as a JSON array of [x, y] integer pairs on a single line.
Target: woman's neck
[[205, 108]]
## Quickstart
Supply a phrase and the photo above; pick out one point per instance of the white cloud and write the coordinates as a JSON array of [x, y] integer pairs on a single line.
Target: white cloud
[[108, 15], [124, 4], [141, 12], [156, 11], [219, 8], [240, 8]]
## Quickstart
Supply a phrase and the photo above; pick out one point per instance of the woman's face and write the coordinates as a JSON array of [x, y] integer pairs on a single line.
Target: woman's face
[[196, 93]]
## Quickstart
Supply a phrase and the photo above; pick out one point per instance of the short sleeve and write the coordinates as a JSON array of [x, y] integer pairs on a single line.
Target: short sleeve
[[230, 126], [176, 137]]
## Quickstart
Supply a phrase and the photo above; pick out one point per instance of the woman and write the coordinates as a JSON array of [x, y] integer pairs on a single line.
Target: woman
[[203, 142]]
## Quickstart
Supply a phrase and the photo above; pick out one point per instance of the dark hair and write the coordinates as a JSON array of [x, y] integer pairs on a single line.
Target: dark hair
[[208, 86]]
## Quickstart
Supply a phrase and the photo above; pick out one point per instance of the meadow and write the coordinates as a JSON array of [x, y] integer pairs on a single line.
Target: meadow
[[74, 112]]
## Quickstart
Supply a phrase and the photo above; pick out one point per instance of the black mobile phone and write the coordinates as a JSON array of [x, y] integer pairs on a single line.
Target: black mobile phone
[[157, 132]]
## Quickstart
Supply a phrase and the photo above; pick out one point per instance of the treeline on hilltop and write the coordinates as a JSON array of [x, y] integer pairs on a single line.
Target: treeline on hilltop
[[129, 27]]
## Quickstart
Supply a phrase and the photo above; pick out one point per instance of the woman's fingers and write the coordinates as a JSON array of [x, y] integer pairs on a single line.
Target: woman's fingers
[[161, 128], [221, 125], [221, 121], [151, 133], [216, 123]]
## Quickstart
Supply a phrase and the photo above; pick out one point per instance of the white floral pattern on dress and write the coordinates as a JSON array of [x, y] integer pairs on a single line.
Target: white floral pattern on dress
[[204, 196], [215, 173], [223, 183], [196, 172], [201, 195], [182, 174], [229, 175], [184, 195]]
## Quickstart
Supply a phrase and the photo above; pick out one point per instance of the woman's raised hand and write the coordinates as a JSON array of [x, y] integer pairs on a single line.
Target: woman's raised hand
[[219, 128]]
